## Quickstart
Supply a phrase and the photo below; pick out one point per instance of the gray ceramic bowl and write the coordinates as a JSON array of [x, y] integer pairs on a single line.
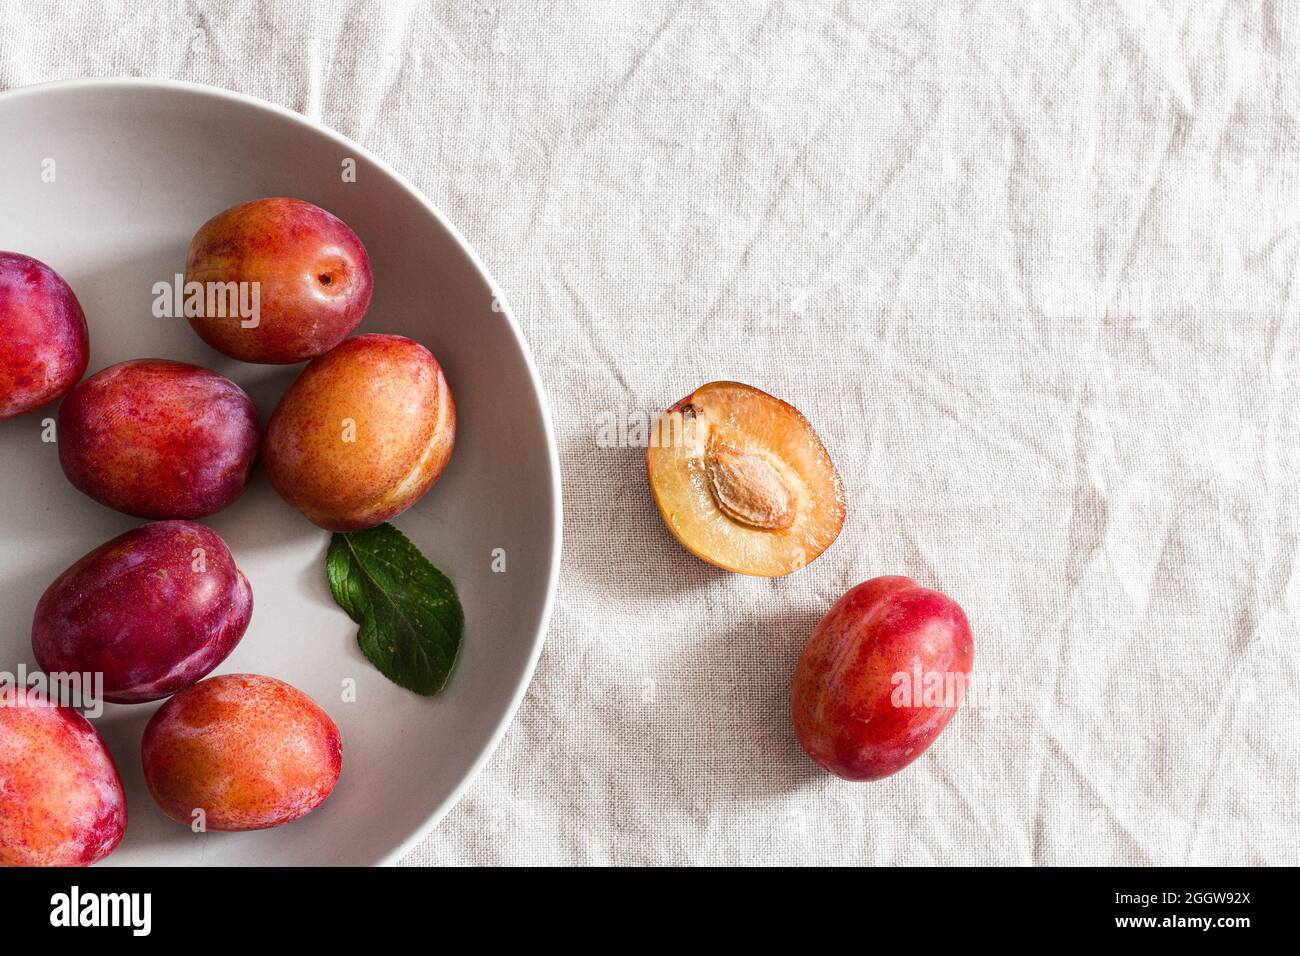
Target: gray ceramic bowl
[[137, 167]]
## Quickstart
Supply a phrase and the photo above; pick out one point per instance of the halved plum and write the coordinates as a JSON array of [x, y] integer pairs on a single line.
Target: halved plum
[[743, 481]]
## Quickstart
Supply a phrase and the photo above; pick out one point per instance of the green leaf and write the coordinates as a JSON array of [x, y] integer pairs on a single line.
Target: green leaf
[[411, 619]]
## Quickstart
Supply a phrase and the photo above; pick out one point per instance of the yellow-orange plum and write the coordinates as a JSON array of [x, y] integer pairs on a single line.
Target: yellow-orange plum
[[249, 751], [363, 433]]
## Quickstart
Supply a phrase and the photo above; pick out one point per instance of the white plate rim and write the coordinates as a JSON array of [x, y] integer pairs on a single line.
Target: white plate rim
[[553, 458]]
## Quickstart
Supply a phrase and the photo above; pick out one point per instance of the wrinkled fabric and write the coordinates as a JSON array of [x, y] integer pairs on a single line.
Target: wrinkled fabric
[[1031, 272]]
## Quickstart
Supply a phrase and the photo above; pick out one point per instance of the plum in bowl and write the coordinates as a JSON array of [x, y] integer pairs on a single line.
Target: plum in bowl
[[153, 611], [44, 344], [155, 438]]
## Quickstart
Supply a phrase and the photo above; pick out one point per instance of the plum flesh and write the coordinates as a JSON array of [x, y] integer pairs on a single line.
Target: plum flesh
[[743, 482]]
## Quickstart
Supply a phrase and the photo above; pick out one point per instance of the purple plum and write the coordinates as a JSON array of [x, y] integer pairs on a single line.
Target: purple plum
[[159, 439], [154, 610], [44, 347]]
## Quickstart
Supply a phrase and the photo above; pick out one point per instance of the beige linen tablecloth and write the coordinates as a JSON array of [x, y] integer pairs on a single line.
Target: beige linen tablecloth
[[1030, 269]]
